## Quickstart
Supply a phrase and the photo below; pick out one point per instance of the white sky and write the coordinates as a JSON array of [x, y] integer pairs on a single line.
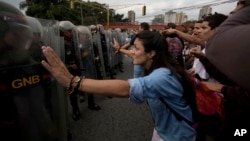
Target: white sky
[[155, 7]]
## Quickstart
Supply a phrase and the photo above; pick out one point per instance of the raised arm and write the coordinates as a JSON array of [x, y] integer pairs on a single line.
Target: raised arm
[[122, 49]]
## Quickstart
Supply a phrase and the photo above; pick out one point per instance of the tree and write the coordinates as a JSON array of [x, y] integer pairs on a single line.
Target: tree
[[92, 12], [50, 9], [120, 18]]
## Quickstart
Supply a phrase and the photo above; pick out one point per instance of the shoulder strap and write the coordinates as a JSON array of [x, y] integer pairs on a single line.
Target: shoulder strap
[[178, 116]]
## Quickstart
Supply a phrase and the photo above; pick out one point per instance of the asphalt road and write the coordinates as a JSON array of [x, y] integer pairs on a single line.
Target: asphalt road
[[118, 119]]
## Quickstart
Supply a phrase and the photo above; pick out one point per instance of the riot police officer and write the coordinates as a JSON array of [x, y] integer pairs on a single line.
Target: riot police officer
[[15, 37], [105, 49], [87, 58], [97, 53], [37, 30], [71, 61], [12, 42], [25, 87]]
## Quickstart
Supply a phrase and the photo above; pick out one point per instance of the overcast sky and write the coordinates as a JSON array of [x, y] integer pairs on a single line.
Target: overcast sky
[[155, 7]]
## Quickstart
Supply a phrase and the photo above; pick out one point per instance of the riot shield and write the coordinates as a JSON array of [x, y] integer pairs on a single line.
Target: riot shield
[[122, 40], [118, 57], [85, 51], [31, 105], [52, 38], [110, 52], [99, 55]]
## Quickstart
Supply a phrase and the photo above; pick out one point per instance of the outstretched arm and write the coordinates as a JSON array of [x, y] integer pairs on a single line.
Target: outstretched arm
[[116, 88], [186, 36]]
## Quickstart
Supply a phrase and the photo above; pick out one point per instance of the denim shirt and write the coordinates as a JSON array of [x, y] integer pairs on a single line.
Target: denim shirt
[[161, 83]]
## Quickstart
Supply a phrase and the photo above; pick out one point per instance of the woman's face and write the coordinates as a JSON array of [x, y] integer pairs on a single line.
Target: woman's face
[[140, 57], [206, 31]]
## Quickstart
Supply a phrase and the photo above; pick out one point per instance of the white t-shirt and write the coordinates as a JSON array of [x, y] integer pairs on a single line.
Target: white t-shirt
[[200, 69]]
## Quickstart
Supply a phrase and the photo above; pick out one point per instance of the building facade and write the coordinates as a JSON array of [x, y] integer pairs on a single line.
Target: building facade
[[131, 16], [170, 16], [204, 11]]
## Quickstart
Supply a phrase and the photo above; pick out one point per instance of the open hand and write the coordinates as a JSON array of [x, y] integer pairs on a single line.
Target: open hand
[[56, 67], [116, 46]]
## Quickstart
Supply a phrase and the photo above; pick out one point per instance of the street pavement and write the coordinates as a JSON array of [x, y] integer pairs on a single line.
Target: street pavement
[[118, 119]]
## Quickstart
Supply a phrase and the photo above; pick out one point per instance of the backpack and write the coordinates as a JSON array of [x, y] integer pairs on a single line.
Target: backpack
[[209, 116], [210, 111]]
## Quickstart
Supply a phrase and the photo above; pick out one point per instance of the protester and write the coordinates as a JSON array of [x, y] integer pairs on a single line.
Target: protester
[[208, 27], [189, 59], [236, 97], [164, 79], [175, 44], [229, 50]]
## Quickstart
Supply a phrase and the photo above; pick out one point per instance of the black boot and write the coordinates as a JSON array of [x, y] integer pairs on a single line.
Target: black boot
[[81, 97], [69, 136], [75, 108], [91, 103], [76, 115]]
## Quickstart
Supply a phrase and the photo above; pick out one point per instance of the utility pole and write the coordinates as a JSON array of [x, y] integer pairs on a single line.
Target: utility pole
[[107, 16], [81, 14], [72, 7]]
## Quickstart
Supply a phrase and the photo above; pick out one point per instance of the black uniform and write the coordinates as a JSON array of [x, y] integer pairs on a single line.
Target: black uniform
[[70, 59]]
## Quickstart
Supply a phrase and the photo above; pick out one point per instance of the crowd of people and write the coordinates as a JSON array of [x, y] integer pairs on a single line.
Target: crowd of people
[[165, 64]]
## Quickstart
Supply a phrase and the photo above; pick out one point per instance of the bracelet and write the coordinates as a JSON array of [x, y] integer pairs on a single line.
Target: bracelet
[[79, 82], [119, 50], [74, 84], [69, 90]]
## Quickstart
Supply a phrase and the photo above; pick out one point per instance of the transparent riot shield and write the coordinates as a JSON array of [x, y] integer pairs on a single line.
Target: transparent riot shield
[[31, 105], [122, 40], [106, 47], [52, 38], [110, 52], [85, 51], [118, 57], [99, 55], [115, 36]]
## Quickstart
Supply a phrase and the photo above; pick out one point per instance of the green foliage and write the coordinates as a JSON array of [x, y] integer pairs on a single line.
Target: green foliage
[[92, 12]]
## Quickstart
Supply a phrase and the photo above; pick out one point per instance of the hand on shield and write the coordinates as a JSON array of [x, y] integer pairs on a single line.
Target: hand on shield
[[56, 67]]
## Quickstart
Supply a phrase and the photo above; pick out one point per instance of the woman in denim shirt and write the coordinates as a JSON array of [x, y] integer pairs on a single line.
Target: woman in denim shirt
[[164, 79]]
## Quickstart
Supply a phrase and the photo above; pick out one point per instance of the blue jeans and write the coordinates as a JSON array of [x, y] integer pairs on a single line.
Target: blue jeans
[[138, 71]]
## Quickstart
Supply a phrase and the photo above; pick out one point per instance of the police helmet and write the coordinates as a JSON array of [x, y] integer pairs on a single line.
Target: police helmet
[[36, 26], [100, 28], [92, 27], [83, 29], [66, 25], [13, 24], [117, 29]]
